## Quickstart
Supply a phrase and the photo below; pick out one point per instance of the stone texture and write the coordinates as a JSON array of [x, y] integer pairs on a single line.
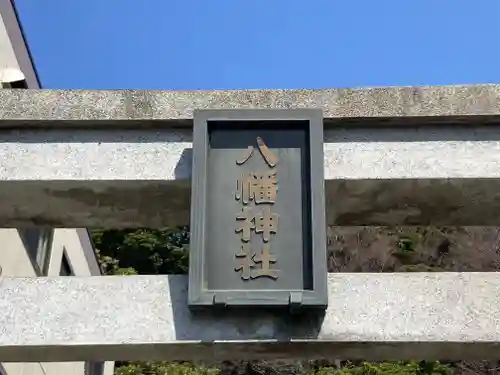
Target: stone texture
[[155, 204], [70, 105], [165, 154], [137, 174], [370, 316], [438, 175]]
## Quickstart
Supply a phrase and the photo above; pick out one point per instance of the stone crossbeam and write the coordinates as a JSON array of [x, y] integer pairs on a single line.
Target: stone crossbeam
[[72, 106], [115, 159], [370, 317]]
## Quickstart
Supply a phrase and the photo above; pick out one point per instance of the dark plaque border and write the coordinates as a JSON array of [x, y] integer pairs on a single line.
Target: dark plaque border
[[198, 295]]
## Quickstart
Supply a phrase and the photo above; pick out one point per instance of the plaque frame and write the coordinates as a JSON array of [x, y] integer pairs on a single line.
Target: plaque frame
[[198, 295]]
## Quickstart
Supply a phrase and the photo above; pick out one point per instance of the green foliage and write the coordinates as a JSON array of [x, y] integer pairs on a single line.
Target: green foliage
[[405, 250], [163, 368], [366, 368], [406, 244], [406, 253], [419, 268], [390, 368], [143, 251]]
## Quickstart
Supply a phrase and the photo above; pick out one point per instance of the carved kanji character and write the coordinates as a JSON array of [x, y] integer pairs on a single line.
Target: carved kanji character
[[266, 223], [246, 156], [266, 153], [265, 259], [264, 187], [245, 262], [245, 223], [259, 187]]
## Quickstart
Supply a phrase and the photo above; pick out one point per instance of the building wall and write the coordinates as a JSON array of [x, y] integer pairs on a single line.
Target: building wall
[[7, 56], [14, 53], [65, 251], [16, 261]]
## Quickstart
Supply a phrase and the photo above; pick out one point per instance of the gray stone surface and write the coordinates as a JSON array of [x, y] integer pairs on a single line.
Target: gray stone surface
[[457, 101], [424, 169], [370, 316], [164, 154], [434, 175]]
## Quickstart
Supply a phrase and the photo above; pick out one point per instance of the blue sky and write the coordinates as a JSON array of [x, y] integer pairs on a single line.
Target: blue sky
[[224, 44]]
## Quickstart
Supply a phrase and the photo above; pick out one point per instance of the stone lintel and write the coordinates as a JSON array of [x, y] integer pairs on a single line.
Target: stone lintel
[[126, 161], [370, 316], [119, 178], [381, 105]]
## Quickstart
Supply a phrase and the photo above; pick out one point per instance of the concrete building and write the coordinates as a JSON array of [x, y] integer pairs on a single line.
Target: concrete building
[[39, 251], [49, 252]]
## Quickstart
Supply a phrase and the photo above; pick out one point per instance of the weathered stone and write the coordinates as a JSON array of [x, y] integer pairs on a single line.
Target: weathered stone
[[370, 316], [445, 175], [66, 106]]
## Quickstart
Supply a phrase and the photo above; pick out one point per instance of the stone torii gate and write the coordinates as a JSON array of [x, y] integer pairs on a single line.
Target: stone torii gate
[[117, 159]]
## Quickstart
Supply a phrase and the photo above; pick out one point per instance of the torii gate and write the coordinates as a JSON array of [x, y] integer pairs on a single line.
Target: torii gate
[[117, 159]]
